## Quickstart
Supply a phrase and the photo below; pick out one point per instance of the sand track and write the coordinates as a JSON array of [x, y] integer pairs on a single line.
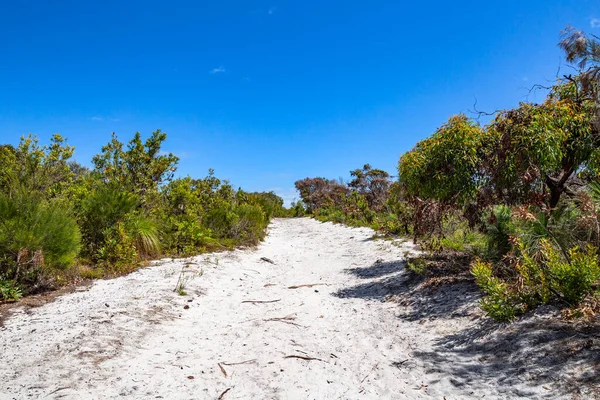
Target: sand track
[[241, 332]]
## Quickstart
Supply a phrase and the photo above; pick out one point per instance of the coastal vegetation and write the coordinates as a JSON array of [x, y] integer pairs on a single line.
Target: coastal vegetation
[[61, 221], [519, 195]]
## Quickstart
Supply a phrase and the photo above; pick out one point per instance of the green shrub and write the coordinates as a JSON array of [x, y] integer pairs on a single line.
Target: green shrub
[[574, 279], [118, 253], [298, 209], [35, 233], [558, 227], [220, 220], [270, 203], [541, 277], [500, 303], [417, 265], [242, 223], [103, 207], [9, 291], [499, 229], [467, 240], [185, 235], [249, 225], [145, 235]]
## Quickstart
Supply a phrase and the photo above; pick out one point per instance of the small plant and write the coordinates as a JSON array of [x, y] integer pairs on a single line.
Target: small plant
[[499, 229], [574, 279], [182, 281], [466, 240], [9, 291], [417, 265], [181, 289], [500, 303]]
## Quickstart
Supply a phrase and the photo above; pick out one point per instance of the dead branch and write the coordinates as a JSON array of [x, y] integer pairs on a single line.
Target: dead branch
[[481, 113], [304, 358], [366, 376], [240, 363], [249, 269], [222, 396], [260, 301], [222, 370], [308, 285], [58, 390], [286, 320]]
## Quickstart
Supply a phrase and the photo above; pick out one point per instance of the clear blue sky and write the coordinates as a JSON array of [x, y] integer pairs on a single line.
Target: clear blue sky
[[268, 92]]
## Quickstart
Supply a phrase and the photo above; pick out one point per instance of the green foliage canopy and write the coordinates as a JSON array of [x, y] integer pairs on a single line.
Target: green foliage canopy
[[538, 149], [445, 166], [140, 168]]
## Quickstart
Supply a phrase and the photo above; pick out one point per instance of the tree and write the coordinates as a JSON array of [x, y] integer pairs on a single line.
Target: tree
[[538, 149], [139, 169], [445, 166], [373, 184], [43, 169], [317, 193]]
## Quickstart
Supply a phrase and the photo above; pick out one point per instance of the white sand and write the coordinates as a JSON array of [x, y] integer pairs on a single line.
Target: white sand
[[132, 337]]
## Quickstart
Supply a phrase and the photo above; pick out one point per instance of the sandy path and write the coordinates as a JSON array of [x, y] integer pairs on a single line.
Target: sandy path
[[135, 337]]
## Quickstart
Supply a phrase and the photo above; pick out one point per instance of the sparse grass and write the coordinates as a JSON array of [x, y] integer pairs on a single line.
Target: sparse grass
[[185, 276]]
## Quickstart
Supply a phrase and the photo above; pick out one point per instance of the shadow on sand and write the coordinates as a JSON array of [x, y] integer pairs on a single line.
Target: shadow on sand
[[426, 298], [538, 349]]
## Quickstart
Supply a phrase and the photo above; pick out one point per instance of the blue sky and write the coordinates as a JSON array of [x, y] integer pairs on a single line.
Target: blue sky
[[268, 92]]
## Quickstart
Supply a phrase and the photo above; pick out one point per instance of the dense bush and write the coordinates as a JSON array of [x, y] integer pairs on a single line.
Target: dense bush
[[34, 235], [127, 209], [536, 280], [519, 196]]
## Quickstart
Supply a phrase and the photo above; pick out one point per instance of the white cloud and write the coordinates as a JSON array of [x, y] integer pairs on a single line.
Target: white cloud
[[97, 118], [595, 22], [218, 70]]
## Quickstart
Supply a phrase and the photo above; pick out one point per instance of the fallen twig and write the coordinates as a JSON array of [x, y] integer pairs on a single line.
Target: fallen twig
[[58, 390], [286, 320], [260, 301], [222, 396], [240, 363], [366, 376], [400, 363], [304, 358], [249, 269], [265, 259], [308, 285], [222, 369]]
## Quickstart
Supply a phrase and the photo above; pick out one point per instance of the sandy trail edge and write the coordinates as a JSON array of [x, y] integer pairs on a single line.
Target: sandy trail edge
[[340, 339]]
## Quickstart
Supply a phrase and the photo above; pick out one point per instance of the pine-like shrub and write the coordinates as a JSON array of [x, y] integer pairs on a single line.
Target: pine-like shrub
[[35, 233], [99, 211]]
